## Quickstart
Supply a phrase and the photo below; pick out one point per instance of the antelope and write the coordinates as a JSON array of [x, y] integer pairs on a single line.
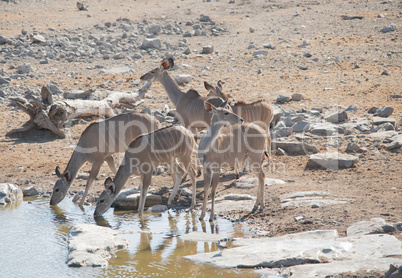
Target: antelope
[[258, 112], [97, 144], [189, 105], [163, 146], [218, 148]]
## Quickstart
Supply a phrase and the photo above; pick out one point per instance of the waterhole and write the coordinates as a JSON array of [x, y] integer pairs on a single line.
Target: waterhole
[[33, 240]]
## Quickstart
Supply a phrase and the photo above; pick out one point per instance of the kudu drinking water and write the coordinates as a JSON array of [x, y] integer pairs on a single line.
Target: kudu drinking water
[[168, 145], [97, 144], [243, 142]]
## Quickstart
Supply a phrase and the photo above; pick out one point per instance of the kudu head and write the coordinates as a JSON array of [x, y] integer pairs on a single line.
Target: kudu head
[[106, 198], [222, 115], [216, 91], [61, 187], [156, 73]]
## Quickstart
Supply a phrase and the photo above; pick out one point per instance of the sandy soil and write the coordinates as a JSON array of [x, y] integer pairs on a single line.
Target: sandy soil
[[374, 184]]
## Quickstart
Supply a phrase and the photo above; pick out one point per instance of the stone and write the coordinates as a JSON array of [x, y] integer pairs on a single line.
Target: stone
[[24, 69], [389, 28], [374, 226], [310, 199], [323, 129], [129, 200], [158, 208], [297, 97], [148, 43], [282, 99], [281, 132], [30, 191], [268, 45], [384, 112], [92, 245], [3, 40], [301, 126], [295, 148], [396, 143], [117, 70], [395, 96], [278, 113], [353, 147], [337, 117], [260, 52], [4, 80], [372, 110], [182, 79], [332, 161], [308, 254], [10, 193], [38, 39], [394, 272], [380, 121], [205, 18], [208, 49], [154, 29]]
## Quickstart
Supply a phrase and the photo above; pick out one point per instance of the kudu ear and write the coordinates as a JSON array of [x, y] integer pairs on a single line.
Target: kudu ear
[[208, 86], [167, 64], [58, 174], [219, 84], [109, 186], [209, 107], [67, 175], [108, 181]]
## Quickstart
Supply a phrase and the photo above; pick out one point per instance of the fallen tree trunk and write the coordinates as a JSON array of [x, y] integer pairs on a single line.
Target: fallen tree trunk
[[63, 110]]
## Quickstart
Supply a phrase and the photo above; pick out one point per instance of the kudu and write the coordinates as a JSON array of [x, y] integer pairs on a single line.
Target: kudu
[[258, 112], [245, 142], [168, 145], [97, 144], [189, 105]]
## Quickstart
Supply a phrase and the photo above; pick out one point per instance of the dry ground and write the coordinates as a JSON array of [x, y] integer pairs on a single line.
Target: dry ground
[[375, 184]]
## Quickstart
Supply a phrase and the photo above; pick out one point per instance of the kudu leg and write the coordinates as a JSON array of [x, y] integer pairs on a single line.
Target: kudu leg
[[112, 165], [215, 182], [92, 176], [146, 182], [260, 191], [190, 169], [178, 172], [207, 185]]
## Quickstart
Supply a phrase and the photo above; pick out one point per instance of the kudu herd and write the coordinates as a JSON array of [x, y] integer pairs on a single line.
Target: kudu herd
[[236, 133]]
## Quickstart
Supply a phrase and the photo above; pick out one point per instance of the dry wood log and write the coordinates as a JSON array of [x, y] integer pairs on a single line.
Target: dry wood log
[[78, 95]]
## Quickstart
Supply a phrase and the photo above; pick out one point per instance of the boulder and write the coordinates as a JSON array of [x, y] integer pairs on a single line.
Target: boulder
[[380, 121], [92, 245], [332, 161], [148, 43], [308, 254], [374, 226], [295, 148], [301, 126], [182, 79], [384, 112], [9, 193], [323, 129], [30, 191], [353, 147], [208, 49], [297, 97], [396, 143], [337, 117], [282, 99], [278, 113], [129, 200], [3, 40]]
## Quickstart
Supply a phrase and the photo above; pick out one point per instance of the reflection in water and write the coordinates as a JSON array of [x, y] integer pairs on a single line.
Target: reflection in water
[[34, 235]]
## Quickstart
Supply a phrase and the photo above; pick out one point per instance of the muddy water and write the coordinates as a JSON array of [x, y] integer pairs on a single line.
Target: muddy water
[[33, 242]]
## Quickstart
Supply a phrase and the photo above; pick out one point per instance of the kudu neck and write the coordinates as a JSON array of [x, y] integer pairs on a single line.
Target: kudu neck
[[171, 87]]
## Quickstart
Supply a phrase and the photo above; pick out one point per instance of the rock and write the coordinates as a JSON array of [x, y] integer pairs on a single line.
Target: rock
[[337, 117], [301, 126], [395, 96], [4, 80], [295, 148], [208, 49], [3, 40], [307, 55], [92, 245], [245, 182], [372, 110], [385, 72], [310, 199], [154, 29], [52, 88], [268, 45], [384, 112], [323, 129], [389, 28], [38, 39], [82, 6], [396, 143], [23, 69], [10, 193], [282, 99], [351, 108], [30, 191], [117, 70], [307, 254], [281, 132], [353, 147], [297, 97], [278, 113], [394, 272], [261, 52], [205, 18], [380, 121], [158, 208], [129, 200], [374, 226], [332, 161], [148, 43], [182, 79], [237, 197]]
